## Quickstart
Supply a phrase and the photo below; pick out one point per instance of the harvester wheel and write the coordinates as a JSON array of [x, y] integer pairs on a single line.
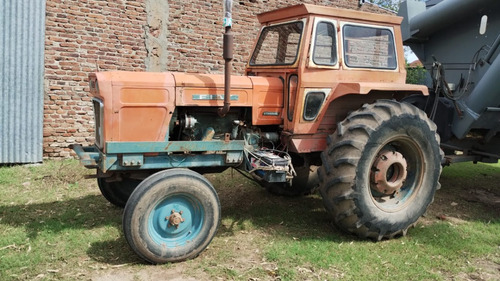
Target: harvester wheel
[[171, 216], [380, 169], [117, 192]]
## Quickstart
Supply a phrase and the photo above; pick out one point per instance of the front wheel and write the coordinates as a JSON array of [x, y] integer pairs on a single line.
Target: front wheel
[[381, 169], [171, 216]]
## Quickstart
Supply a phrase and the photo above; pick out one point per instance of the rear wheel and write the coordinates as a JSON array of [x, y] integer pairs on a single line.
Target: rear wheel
[[381, 169], [171, 216], [117, 192]]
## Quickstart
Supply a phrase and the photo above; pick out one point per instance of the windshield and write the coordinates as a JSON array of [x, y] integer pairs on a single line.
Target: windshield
[[278, 44]]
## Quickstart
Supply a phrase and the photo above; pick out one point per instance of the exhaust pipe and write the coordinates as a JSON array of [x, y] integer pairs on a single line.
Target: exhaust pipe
[[227, 54]]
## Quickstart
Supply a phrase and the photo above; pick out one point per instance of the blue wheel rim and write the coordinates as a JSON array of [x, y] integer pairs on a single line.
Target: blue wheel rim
[[187, 231]]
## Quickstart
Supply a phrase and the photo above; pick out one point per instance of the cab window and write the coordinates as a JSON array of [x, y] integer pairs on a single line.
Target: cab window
[[278, 44], [325, 51], [368, 47]]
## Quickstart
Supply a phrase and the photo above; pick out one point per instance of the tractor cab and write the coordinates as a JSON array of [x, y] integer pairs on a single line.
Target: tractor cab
[[324, 56]]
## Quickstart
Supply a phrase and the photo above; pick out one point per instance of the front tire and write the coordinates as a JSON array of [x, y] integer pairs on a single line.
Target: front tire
[[171, 216], [381, 169]]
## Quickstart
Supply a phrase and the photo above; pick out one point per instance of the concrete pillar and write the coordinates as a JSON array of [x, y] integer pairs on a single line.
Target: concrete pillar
[[156, 35]]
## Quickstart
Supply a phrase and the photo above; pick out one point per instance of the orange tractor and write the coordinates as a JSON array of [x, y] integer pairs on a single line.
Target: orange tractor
[[319, 106]]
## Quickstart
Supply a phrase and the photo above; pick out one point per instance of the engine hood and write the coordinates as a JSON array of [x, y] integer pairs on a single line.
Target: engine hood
[[210, 81]]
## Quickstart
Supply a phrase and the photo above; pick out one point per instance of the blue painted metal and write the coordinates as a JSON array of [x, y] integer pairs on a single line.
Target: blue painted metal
[[397, 200], [92, 157], [171, 236], [109, 162], [132, 160], [234, 157], [89, 155], [174, 146], [22, 34]]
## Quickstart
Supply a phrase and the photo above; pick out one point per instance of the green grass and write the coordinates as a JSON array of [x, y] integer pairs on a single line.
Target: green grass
[[51, 219], [54, 225], [428, 253]]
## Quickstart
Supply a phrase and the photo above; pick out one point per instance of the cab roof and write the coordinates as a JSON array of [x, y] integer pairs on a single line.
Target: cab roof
[[302, 10]]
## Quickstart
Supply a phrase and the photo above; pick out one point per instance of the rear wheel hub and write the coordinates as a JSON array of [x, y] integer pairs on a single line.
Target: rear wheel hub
[[388, 172]]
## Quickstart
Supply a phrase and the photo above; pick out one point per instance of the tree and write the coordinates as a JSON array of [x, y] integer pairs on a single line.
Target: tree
[[415, 74]]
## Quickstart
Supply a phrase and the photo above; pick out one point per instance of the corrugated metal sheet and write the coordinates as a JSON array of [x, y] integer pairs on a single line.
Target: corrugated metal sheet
[[22, 34]]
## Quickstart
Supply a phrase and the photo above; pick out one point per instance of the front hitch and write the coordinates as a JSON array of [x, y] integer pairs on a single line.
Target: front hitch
[[88, 155]]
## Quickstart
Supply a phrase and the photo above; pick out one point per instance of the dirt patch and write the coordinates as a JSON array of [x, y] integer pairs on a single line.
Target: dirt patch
[[485, 271], [237, 254], [240, 254], [466, 198], [173, 273], [488, 197], [309, 273]]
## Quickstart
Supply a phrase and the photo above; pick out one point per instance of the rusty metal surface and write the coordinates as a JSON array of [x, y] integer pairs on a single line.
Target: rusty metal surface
[[296, 11], [22, 32], [175, 219], [388, 172], [89, 156]]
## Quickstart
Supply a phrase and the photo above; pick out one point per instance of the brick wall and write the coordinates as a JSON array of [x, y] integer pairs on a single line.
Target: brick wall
[[114, 34], [81, 35], [195, 43]]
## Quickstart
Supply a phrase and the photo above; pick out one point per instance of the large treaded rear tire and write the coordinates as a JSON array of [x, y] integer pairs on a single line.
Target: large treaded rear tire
[[346, 176]]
